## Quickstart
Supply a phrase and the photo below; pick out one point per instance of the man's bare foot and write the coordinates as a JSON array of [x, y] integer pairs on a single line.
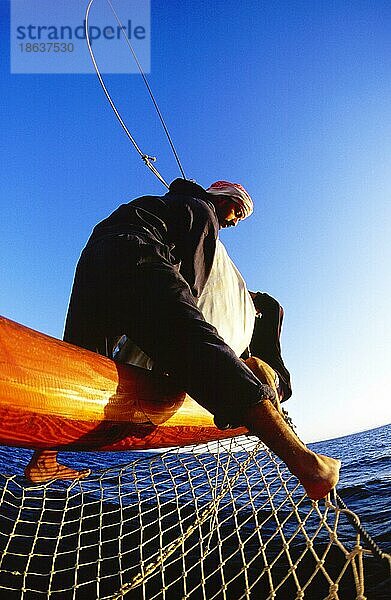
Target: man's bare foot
[[44, 467], [317, 473], [323, 478]]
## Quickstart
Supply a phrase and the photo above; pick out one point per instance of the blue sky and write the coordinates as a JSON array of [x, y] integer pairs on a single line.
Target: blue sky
[[290, 98]]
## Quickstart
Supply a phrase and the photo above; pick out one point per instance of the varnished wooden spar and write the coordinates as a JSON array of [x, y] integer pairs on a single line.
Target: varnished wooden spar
[[55, 395]]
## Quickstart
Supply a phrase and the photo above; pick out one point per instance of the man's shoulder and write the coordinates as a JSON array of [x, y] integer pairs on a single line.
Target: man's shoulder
[[146, 200], [191, 197], [186, 187]]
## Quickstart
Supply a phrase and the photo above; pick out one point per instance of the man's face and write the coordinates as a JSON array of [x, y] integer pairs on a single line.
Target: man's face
[[228, 212]]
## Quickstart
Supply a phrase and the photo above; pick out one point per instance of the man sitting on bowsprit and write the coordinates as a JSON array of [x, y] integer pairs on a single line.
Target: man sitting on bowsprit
[[140, 274]]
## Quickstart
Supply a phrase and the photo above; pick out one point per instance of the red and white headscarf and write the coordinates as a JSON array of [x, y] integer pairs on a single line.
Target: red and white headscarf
[[234, 191]]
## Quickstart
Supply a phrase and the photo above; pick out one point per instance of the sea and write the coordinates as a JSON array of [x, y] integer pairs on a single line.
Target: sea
[[365, 483]]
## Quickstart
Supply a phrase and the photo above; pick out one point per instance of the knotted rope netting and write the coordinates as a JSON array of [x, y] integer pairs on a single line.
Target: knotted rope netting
[[224, 520]]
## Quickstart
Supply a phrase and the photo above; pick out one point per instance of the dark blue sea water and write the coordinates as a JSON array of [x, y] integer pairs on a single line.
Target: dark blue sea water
[[365, 484], [146, 500]]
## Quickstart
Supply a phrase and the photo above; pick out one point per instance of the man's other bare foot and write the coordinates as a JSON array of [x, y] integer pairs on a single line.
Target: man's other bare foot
[[323, 478], [44, 467], [317, 473]]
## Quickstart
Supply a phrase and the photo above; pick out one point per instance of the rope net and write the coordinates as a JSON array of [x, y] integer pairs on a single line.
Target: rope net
[[224, 520]]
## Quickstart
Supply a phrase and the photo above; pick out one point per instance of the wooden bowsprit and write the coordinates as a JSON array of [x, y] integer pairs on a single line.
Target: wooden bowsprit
[[56, 395]]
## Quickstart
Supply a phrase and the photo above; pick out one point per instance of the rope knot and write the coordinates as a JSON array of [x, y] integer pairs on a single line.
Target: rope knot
[[147, 159]]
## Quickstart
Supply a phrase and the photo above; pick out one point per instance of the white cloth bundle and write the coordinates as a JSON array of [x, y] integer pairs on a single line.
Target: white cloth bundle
[[226, 303]]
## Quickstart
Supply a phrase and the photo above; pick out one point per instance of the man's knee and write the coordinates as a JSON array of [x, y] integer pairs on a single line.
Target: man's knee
[[265, 374], [262, 370]]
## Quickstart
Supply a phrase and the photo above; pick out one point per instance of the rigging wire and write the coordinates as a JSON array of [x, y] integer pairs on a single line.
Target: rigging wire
[[149, 90], [148, 160]]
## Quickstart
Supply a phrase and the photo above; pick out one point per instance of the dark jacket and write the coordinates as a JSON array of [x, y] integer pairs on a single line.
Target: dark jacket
[[139, 275], [184, 221]]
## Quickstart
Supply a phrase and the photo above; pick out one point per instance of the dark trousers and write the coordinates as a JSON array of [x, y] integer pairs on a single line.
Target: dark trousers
[[265, 343], [127, 285]]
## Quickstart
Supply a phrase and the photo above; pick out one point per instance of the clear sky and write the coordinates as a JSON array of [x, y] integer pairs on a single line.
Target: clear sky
[[290, 98]]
